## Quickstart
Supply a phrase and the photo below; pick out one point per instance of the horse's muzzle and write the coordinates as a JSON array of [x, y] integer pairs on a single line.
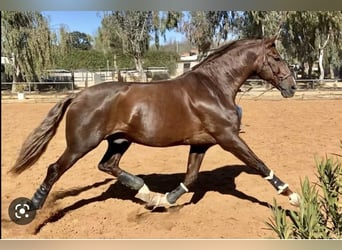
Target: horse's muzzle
[[287, 90]]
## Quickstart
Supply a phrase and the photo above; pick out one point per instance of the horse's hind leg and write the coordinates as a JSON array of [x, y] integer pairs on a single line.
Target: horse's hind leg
[[54, 172], [110, 165], [195, 159], [76, 149]]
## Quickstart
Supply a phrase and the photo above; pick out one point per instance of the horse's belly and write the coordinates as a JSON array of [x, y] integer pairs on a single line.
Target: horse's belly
[[173, 137]]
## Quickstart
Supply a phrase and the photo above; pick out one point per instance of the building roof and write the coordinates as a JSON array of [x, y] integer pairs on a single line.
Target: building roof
[[189, 58]]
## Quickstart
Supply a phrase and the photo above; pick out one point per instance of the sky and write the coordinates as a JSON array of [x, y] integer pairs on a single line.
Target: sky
[[88, 22], [84, 21]]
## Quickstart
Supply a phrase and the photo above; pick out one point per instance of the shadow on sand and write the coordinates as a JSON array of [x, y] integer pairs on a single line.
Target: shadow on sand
[[221, 180]]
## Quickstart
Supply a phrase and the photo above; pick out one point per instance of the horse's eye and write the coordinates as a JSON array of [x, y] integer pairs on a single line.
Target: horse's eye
[[277, 59]]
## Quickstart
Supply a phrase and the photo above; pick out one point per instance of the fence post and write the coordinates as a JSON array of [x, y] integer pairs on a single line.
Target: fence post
[[86, 80]]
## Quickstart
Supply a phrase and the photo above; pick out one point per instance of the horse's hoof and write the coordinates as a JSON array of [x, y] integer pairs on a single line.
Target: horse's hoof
[[294, 199]]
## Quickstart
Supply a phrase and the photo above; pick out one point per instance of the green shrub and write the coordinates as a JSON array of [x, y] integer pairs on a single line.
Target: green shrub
[[319, 214], [157, 58]]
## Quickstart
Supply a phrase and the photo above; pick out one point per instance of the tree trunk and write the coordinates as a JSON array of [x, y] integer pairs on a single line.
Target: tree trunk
[[86, 80], [17, 77], [310, 65], [320, 60], [302, 70], [140, 69], [332, 72], [115, 68]]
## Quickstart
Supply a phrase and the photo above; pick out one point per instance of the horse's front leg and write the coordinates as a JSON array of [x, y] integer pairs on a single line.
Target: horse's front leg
[[234, 144], [195, 159]]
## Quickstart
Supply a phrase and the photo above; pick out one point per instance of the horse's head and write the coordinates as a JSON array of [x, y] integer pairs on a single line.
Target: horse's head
[[274, 69]]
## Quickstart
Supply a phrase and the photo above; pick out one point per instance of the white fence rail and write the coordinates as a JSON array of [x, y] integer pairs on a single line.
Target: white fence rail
[[80, 82], [30, 87]]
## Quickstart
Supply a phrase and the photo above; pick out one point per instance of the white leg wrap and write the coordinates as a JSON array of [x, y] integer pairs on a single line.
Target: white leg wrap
[[270, 176], [282, 188], [144, 193], [159, 200], [184, 187]]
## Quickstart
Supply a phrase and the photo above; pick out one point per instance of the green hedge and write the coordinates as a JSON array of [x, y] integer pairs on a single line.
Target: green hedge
[[95, 60]]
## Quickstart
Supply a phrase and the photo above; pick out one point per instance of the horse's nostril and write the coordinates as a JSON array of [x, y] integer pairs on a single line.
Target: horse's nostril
[[294, 87]]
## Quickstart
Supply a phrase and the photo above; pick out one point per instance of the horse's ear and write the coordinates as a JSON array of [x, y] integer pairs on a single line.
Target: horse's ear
[[271, 41]]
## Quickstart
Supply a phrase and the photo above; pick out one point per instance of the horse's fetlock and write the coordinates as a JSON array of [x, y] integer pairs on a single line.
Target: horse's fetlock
[[173, 196], [39, 197]]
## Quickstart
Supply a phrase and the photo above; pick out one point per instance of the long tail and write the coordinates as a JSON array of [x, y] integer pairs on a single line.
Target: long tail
[[37, 142]]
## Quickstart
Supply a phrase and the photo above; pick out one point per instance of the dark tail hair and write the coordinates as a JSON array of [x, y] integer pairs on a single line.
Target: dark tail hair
[[37, 142]]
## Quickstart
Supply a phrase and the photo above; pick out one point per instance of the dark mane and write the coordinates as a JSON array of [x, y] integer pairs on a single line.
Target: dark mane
[[223, 49]]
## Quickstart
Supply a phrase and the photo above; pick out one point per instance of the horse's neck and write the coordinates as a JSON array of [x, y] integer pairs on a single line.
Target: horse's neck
[[228, 76]]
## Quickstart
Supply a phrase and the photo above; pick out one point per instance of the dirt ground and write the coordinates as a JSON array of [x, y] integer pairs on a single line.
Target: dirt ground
[[228, 201]]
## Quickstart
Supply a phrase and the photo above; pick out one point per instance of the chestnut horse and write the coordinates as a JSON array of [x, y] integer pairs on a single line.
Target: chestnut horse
[[197, 109]]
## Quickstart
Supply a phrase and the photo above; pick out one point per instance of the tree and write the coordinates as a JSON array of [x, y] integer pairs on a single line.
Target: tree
[[26, 38], [107, 38], [204, 29], [310, 35], [132, 28], [259, 24], [80, 40], [306, 36], [131, 32], [223, 24], [163, 21], [331, 36]]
